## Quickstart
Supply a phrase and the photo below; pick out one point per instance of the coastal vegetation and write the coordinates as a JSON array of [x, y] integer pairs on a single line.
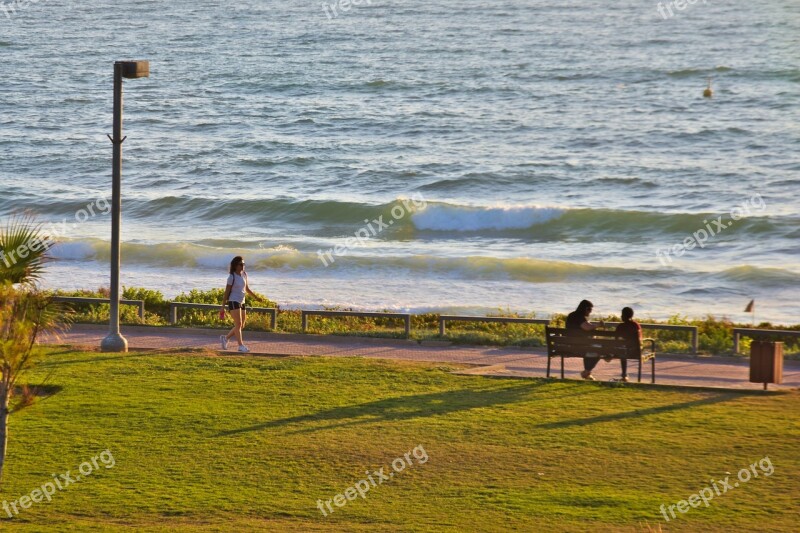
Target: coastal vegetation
[[715, 334]]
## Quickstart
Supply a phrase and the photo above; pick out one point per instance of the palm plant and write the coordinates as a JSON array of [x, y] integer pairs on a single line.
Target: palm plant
[[23, 250], [24, 315]]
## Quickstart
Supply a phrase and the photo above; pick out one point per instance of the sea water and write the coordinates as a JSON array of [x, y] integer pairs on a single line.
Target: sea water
[[541, 152]]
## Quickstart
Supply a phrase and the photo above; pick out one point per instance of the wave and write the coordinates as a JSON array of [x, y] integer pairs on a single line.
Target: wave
[[444, 217], [786, 74], [288, 258], [561, 223], [378, 83], [763, 276], [447, 185], [630, 181], [287, 160], [328, 218], [694, 72]]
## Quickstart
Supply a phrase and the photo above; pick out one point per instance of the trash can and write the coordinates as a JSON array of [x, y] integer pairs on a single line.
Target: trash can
[[766, 362]]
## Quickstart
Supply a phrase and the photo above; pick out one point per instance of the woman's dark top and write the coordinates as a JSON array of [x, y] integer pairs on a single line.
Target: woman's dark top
[[574, 322]]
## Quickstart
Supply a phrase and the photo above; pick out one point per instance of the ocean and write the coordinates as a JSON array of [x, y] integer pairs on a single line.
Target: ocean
[[461, 156]]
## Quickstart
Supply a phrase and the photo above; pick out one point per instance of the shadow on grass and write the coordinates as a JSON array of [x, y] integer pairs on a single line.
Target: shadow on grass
[[640, 412], [401, 408], [37, 391], [45, 363]]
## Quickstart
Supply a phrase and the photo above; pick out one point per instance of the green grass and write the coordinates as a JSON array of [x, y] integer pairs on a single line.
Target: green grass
[[204, 442]]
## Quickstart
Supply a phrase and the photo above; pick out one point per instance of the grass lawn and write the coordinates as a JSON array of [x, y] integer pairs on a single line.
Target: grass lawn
[[212, 443]]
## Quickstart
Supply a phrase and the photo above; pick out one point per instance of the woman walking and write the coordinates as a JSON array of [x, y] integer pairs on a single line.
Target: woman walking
[[235, 291]]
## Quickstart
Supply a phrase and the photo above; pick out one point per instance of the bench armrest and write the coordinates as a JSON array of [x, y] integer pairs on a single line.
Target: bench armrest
[[652, 344]]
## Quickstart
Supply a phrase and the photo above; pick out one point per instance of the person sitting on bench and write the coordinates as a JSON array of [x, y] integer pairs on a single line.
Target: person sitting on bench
[[578, 321], [632, 331]]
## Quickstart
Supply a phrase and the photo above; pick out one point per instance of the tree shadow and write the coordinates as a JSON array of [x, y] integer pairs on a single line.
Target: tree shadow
[[400, 408], [640, 412], [37, 391]]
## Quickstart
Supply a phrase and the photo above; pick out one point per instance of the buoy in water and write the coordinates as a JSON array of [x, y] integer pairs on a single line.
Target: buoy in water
[[708, 92]]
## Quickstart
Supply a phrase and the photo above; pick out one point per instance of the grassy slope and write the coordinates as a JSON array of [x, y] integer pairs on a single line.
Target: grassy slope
[[229, 444]]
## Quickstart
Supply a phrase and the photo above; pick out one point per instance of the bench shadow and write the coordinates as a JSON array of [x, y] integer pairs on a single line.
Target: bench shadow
[[399, 408], [640, 412]]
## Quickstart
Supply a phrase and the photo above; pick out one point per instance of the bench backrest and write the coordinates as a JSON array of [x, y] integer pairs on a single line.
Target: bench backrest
[[563, 342]]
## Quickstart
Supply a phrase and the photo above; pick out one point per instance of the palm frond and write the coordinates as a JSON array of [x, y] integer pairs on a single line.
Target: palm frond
[[23, 250], [25, 314]]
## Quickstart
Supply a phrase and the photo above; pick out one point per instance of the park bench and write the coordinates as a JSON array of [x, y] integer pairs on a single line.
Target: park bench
[[564, 343]]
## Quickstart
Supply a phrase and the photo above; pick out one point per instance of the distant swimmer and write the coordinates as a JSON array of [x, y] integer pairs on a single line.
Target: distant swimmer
[[708, 93]]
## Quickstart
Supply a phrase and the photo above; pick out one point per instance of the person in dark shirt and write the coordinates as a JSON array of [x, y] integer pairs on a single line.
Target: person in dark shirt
[[578, 321], [632, 331]]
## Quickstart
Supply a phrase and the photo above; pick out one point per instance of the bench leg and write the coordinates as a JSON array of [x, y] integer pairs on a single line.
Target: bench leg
[[548, 365], [653, 373], [562, 367], [640, 370]]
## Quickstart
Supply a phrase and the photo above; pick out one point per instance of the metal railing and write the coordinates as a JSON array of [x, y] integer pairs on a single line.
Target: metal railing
[[173, 311], [669, 327], [753, 332], [443, 319], [81, 300], [405, 317]]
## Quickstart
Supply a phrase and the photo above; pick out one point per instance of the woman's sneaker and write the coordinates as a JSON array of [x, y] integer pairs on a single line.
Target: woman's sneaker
[[224, 341], [587, 375], [243, 349]]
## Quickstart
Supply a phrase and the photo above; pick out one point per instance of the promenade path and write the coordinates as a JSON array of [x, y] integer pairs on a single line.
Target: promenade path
[[716, 372]]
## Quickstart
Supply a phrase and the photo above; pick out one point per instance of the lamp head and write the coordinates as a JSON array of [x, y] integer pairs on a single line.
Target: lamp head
[[135, 69]]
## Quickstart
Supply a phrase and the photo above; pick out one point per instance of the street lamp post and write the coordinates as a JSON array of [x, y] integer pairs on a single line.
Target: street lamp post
[[114, 341]]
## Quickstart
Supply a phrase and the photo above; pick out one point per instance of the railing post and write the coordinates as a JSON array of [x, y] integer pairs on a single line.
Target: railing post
[[441, 326], [408, 325], [274, 314], [173, 313], [735, 342], [303, 320], [694, 341]]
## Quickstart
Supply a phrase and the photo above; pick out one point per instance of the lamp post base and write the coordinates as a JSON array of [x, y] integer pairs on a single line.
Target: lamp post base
[[114, 342]]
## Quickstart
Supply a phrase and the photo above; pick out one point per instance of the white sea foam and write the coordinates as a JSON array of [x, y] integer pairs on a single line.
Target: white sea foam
[[442, 217], [72, 250]]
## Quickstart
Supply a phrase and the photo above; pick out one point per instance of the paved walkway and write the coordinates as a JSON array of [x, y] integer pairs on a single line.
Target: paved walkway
[[718, 372]]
